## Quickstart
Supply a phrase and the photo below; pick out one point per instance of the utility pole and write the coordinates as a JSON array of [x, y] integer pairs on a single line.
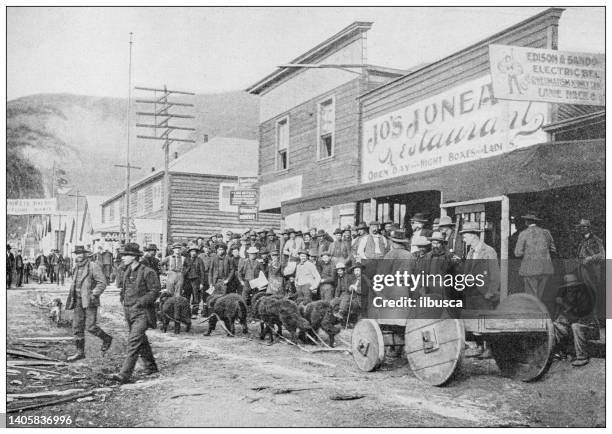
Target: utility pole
[[161, 116], [126, 234], [76, 197]]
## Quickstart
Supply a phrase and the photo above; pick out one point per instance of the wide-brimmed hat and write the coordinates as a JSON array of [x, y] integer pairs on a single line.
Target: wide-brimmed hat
[[437, 236], [253, 249], [300, 233], [271, 233], [362, 225], [531, 215], [151, 246], [570, 280], [584, 223], [419, 217], [445, 221], [337, 231], [221, 246], [383, 224], [131, 249], [321, 233], [471, 227], [194, 247], [358, 265], [80, 249], [340, 265], [398, 235], [290, 231], [374, 223], [347, 228], [420, 241], [177, 246]]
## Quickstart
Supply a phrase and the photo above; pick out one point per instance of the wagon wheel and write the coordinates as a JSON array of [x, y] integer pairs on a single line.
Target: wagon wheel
[[524, 356], [434, 348], [367, 345]]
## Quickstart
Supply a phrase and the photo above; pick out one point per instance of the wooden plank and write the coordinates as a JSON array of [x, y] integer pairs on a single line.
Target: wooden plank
[[46, 394], [47, 338], [26, 353], [16, 363]]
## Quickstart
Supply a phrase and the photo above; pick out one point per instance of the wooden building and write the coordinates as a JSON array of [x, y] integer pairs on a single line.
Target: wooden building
[[309, 126], [199, 204]]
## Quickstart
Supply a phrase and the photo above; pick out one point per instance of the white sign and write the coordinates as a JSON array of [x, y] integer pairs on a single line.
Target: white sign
[[148, 226], [533, 74], [462, 124], [30, 206], [273, 193]]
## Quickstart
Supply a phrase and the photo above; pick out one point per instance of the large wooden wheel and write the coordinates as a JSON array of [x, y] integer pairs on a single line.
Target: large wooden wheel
[[434, 348], [524, 354], [367, 345]]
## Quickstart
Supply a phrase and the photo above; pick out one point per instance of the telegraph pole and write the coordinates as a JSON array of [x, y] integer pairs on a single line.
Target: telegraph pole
[[126, 234], [161, 117]]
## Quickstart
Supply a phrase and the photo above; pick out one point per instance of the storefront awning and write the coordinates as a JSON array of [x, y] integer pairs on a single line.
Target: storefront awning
[[536, 168]]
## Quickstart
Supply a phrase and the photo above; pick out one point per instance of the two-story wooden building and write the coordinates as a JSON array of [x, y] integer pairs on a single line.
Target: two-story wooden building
[[199, 204], [309, 127]]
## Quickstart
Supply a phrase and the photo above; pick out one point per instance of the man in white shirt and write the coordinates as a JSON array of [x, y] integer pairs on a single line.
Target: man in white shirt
[[174, 267], [307, 277]]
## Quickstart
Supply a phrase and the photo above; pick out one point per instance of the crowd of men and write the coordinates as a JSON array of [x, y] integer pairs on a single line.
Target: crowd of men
[[52, 268], [311, 265]]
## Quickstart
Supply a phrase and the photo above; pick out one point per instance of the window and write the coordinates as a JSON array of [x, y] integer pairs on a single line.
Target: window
[[326, 124], [110, 210], [224, 197], [104, 218], [282, 144], [140, 201], [157, 195]]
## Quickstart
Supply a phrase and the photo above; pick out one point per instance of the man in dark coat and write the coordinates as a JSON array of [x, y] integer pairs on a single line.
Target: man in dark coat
[[328, 276], [221, 270], [84, 297], [19, 268], [453, 241], [272, 243], [418, 222], [591, 254], [206, 260], [576, 322], [10, 265], [193, 271], [149, 258], [139, 290], [41, 264]]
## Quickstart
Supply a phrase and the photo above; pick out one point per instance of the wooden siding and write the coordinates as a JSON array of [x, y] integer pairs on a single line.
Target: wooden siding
[[194, 208], [318, 175], [461, 67]]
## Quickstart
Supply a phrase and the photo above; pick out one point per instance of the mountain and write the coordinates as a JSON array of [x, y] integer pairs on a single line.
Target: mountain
[[85, 136]]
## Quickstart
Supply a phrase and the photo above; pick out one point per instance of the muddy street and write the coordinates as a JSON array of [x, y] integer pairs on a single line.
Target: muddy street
[[240, 381]]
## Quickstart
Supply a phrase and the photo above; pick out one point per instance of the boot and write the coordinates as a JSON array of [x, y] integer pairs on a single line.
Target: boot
[[80, 354], [106, 343]]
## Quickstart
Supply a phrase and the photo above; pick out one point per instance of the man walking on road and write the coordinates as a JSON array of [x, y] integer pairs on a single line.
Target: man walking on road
[[140, 288], [84, 297], [10, 264], [19, 268]]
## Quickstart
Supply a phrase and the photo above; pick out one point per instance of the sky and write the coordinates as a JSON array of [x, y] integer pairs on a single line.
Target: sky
[[210, 50]]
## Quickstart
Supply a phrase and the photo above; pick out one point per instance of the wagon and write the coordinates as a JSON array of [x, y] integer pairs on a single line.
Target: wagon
[[519, 332]]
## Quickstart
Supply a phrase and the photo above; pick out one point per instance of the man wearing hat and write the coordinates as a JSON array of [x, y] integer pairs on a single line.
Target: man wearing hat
[[173, 265], [273, 242], [10, 265], [88, 284], [422, 259], [221, 270], [418, 222], [193, 278], [481, 260], [454, 242], [293, 245], [576, 320], [441, 263], [254, 240], [149, 258], [535, 246], [19, 264], [326, 270], [261, 235], [373, 245], [249, 270], [341, 281], [592, 255], [139, 289], [275, 273], [362, 236], [339, 249]]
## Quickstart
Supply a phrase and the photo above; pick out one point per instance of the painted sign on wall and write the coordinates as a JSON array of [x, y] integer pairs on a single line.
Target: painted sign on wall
[[30, 206], [532, 74], [461, 124]]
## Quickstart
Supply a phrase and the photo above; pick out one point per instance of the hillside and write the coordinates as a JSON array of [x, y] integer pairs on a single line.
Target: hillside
[[86, 136]]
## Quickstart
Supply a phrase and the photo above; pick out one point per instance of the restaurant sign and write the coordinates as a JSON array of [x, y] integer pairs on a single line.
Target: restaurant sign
[[533, 74], [462, 124]]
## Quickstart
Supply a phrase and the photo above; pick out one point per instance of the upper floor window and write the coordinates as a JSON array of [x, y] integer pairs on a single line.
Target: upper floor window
[[140, 201], [282, 144], [326, 125]]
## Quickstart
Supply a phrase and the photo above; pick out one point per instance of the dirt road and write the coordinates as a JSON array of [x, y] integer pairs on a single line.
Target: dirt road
[[223, 381]]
